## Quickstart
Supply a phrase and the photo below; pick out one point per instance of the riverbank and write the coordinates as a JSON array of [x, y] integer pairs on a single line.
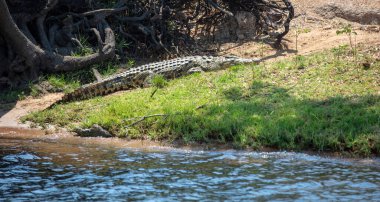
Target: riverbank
[[314, 95], [69, 139], [326, 101]]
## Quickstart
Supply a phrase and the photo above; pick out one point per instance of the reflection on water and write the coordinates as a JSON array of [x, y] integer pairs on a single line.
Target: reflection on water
[[66, 169]]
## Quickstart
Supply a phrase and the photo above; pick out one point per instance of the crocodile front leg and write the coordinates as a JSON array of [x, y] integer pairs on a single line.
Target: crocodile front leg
[[195, 70], [193, 67]]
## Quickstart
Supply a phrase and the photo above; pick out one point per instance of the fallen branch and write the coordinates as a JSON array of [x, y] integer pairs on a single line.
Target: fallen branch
[[141, 119]]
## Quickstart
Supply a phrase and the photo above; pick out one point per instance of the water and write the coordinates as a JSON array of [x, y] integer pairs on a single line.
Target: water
[[49, 168]]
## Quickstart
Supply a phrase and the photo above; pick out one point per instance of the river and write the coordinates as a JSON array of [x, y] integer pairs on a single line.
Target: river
[[36, 167]]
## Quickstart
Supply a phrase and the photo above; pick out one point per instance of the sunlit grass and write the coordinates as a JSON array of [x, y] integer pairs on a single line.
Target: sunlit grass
[[317, 102]]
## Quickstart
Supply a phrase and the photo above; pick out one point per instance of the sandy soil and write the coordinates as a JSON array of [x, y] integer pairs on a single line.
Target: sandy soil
[[320, 34], [315, 33]]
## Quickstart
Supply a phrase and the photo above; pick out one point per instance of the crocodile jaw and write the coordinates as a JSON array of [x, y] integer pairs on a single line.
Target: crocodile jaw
[[225, 62]]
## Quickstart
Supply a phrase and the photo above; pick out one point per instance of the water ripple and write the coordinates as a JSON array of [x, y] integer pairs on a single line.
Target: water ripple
[[64, 172]]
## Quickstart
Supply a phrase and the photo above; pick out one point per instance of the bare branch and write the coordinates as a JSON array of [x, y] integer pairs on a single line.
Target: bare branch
[[143, 118], [216, 6], [134, 19], [105, 12]]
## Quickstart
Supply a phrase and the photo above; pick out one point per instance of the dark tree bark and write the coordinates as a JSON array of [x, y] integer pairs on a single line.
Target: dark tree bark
[[27, 58]]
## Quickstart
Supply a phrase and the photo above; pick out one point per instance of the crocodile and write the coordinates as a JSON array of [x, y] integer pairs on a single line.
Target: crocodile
[[141, 75]]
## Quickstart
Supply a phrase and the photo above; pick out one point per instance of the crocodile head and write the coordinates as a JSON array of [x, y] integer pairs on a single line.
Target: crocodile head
[[222, 62], [234, 60]]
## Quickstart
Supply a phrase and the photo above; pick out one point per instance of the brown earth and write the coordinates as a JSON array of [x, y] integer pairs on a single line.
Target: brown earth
[[316, 32], [312, 32]]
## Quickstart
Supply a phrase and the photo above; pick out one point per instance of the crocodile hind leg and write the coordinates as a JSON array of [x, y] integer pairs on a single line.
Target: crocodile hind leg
[[144, 79]]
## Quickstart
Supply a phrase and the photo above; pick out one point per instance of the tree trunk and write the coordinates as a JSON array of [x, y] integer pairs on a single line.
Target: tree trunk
[[27, 59]]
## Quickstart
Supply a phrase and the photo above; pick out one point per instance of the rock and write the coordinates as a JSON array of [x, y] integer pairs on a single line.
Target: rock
[[94, 131], [246, 25], [241, 26], [50, 129], [376, 56], [313, 19], [370, 28], [362, 15], [366, 65]]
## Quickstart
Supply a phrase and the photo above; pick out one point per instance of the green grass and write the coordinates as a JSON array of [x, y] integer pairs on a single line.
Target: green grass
[[85, 49], [62, 82], [69, 81], [315, 102]]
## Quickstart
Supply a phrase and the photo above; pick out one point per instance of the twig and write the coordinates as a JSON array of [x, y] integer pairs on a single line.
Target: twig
[[154, 92], [140, 119], [143, 118], [216, 6], [105, 12], [134, 19], [202, 106], [125, 34]]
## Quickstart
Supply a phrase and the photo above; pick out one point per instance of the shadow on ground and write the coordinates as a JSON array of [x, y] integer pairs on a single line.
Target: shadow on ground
[[5, 108], [8, 100], [269, 116]]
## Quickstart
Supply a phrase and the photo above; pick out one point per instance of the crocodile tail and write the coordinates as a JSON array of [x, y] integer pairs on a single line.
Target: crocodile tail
[[93, 90], [79, 94], [75, 95]]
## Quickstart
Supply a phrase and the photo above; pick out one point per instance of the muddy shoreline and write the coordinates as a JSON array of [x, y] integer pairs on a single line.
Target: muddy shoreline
[[65, 137]]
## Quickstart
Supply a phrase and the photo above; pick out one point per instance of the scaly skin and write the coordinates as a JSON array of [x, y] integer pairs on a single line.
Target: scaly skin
[[138, 76]]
